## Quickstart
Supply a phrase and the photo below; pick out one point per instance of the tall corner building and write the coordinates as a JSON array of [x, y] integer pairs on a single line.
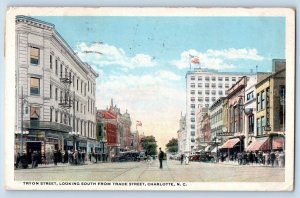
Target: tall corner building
[[57, 90], [203, 87]]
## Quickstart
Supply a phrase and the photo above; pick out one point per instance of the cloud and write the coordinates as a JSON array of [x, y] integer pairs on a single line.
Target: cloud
[[104, 55], [232, 53], [168, 75], [153, 98], [217, 59]]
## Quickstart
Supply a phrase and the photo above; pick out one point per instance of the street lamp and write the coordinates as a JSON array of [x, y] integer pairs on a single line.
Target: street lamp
[[23, 101], [74, 135], [21, 133]]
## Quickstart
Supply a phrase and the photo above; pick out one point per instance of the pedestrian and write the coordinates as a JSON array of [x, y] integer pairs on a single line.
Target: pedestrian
[[55, 157], [59, 156], [181, 158], [281, 159], [187, 159], [272, 158], [240, 158], [75, 157], [34, 159], [160, 157], [66, 156], [251, 158]]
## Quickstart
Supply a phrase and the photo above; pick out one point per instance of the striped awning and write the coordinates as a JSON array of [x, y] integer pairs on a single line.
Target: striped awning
[[261, 144], [230, 143]]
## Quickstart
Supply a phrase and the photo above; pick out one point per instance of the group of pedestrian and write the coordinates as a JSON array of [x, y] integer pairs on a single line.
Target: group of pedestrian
[[184, 159], [32, 158], [76, 157], [269, 158]]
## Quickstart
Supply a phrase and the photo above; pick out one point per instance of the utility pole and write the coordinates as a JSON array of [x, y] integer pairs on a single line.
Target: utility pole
[[22, 117]]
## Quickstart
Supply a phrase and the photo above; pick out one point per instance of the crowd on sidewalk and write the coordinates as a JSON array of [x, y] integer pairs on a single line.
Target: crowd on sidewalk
[[270, 158], [72, 157]]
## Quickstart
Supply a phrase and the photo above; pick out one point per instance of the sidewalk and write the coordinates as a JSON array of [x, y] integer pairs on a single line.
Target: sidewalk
[[233, 163], [58, 165]]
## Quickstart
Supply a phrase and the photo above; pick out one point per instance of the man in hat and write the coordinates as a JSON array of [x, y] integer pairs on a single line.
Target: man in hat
[[160, 157]]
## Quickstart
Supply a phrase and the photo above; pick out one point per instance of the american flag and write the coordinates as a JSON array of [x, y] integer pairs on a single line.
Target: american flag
[[139, 123], [195, 59]]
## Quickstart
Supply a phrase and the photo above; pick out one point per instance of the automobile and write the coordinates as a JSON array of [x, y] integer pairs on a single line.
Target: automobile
[[142, 156], [206, 157], [195, 157]]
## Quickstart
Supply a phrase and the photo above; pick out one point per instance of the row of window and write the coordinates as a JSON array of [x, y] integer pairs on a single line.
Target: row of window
[[64, 73], [216, 117], [213, 78], [262, 100], [81, 86], [236, 118], [208, 92], [212, 85], [81, 126], [250, 96], [193, 106], [260, 125], [206, 99], [61, 96]]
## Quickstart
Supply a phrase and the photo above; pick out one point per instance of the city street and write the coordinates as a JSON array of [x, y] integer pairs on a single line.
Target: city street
[[143, 171]]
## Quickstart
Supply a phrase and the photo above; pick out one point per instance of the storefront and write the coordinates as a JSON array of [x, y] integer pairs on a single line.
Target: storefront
[[232, 146], [260, 144], [278, 143]]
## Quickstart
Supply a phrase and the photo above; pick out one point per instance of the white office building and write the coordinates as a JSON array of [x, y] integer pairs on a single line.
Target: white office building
[[203, 87]]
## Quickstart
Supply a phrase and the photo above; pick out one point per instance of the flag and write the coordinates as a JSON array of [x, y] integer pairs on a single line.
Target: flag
[[195, 60], [139, 123]]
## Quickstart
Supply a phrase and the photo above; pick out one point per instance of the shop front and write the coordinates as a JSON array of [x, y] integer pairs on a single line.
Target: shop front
[[260, 144], [231, 147]]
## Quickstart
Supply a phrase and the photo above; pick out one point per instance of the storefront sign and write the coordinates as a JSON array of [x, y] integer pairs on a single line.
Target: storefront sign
[[82, 144], [69, 143], [225, 134]]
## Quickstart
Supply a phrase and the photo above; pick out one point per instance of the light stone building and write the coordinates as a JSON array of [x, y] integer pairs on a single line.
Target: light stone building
[[181, 133], [58, 91]]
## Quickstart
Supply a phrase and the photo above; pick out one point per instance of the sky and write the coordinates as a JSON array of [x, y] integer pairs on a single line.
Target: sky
[[142, 61]]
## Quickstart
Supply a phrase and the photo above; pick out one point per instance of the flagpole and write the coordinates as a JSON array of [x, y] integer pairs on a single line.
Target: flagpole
[[190, 61]]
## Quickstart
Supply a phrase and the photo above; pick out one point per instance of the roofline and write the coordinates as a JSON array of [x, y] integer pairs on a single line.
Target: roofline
[[71, 51], [268, 77]]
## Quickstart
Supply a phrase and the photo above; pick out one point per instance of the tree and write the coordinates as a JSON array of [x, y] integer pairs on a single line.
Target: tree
[[172, 146], [149, 145]]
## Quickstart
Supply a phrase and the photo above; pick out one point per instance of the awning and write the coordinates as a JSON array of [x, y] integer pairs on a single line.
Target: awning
[[277, 143], [230, 143], [261, 144]]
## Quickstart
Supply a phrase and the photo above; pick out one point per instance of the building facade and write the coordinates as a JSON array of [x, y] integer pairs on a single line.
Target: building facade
[[124, 124], [216, 120], [56, 90], [270, 110], [200, 139], [181, 133], [203, 88]]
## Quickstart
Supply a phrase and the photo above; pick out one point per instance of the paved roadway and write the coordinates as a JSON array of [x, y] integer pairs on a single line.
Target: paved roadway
[[143, 171]]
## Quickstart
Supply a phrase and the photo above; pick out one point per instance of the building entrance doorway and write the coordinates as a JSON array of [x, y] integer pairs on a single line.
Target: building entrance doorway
[[33, 146]]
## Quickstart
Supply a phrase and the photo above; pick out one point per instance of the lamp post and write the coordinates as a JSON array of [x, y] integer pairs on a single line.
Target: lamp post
[[23, 101], [74, 135], [21, 133]]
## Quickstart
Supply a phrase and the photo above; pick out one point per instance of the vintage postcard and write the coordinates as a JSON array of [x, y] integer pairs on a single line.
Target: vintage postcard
[[183, 99]]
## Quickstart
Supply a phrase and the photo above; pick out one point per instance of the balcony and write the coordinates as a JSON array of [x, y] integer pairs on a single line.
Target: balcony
[[45, 125]]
